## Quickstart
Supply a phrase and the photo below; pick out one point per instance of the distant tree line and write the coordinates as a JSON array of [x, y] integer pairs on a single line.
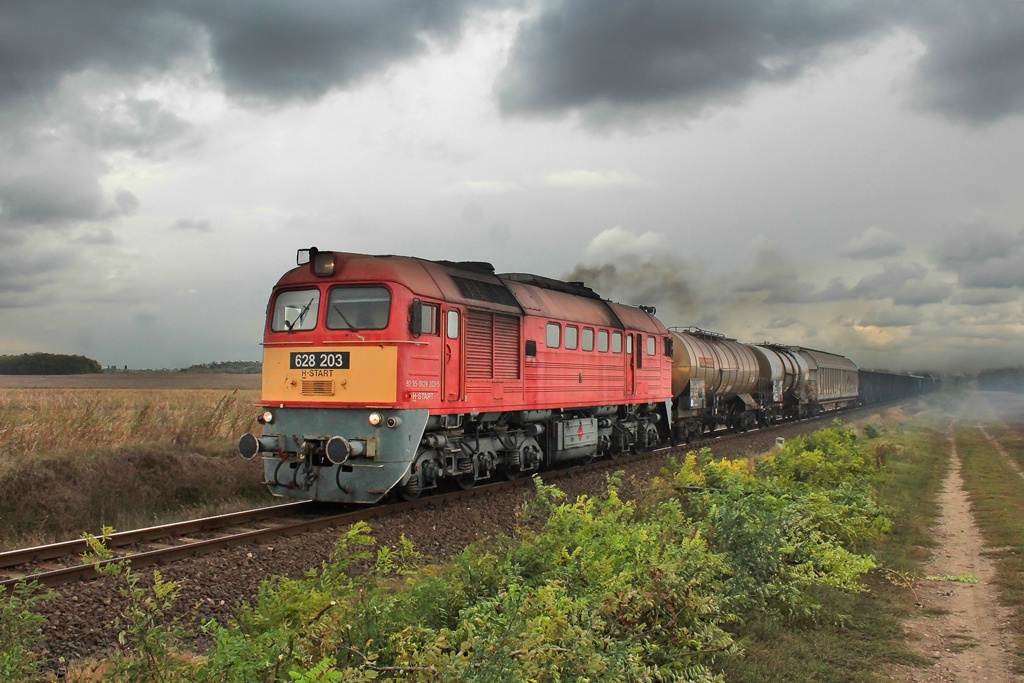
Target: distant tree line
[[234, 367], [48, 364], [1004, 379]]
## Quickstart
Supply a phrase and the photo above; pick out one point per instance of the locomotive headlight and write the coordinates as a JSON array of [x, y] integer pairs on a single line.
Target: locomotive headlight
[[376, 418], [323, 263], [267, 417]]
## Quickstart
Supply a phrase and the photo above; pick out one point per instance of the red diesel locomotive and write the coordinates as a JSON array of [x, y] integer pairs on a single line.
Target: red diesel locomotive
[[386, 373]]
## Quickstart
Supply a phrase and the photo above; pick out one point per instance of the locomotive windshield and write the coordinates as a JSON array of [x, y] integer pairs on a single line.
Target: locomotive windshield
[[358, 308], [296, 310]]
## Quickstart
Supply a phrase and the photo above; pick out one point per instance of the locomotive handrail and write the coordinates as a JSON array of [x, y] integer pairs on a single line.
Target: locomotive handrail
[[346, 342]]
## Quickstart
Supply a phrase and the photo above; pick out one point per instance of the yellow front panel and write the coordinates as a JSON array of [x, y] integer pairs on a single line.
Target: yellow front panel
[[369, 375]]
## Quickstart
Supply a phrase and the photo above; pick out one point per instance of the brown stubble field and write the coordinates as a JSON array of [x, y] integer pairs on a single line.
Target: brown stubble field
[[122, 450], [134, 380]]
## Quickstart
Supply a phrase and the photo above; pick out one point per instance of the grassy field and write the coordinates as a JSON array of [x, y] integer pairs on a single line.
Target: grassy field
[[73, 459], [858, 637], [855, 636], [996, 490]]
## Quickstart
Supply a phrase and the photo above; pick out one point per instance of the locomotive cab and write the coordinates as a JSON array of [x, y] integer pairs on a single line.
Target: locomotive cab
[[334, 424]]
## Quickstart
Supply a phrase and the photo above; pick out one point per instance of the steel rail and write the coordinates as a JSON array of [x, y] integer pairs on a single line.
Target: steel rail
[[63, 549]]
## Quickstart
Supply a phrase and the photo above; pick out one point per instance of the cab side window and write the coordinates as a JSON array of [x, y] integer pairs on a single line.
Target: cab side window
[[572, 334], [553, 335], [452, 325], [429, 319]]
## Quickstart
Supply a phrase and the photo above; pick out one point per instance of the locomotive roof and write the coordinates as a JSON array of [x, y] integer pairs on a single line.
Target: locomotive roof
[[576, 288], [475, 284]]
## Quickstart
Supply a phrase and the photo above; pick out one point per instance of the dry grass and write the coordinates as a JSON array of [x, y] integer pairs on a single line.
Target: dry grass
[[72, 460], [34, 421]]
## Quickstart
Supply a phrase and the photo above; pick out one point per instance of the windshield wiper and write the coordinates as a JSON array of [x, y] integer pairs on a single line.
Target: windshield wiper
[[291, 326], [349, 325]]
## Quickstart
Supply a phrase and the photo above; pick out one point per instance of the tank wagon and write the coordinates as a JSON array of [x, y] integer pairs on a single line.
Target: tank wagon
[[720, 382], [394, 374], [386, 373]]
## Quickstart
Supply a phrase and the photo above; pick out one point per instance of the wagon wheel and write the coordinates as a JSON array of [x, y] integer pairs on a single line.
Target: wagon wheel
[[652, 439], [511, 472]]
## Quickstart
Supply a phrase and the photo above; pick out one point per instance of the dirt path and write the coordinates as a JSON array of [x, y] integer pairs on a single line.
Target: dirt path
[[963, 627]]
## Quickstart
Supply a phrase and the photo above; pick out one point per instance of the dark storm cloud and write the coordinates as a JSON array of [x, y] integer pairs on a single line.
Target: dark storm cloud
[[779, 281], [70, 74], [52, 183], [264, 49], [873, 244], [143, 126], [776, 277], [905, 284], [976, 243], [984, 297], [104, 237], [127, 203], [972, 70], [577, 54], [42, 41], [25, 271], [982, 256], [275, 51], [607, 58]]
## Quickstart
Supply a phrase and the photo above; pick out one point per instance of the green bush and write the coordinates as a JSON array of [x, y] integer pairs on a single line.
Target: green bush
[[21, 643], [48, 364], [593, 589]]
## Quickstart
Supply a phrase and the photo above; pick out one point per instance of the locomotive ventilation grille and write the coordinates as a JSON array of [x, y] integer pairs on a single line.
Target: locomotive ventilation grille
[[317, 387]]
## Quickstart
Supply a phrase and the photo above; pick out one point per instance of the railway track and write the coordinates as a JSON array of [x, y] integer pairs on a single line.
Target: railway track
[[61, 563]]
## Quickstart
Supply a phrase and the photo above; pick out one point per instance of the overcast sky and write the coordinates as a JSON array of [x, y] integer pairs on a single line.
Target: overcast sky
[[841, 174]]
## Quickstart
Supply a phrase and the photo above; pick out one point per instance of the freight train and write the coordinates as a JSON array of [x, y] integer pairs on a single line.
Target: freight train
[[398, 375]]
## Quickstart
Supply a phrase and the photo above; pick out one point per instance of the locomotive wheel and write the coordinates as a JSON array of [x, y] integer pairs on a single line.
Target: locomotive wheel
[[466, 481], [410, 491]]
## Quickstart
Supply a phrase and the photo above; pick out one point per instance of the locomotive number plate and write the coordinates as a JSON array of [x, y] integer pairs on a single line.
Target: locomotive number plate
[[309, 360]]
